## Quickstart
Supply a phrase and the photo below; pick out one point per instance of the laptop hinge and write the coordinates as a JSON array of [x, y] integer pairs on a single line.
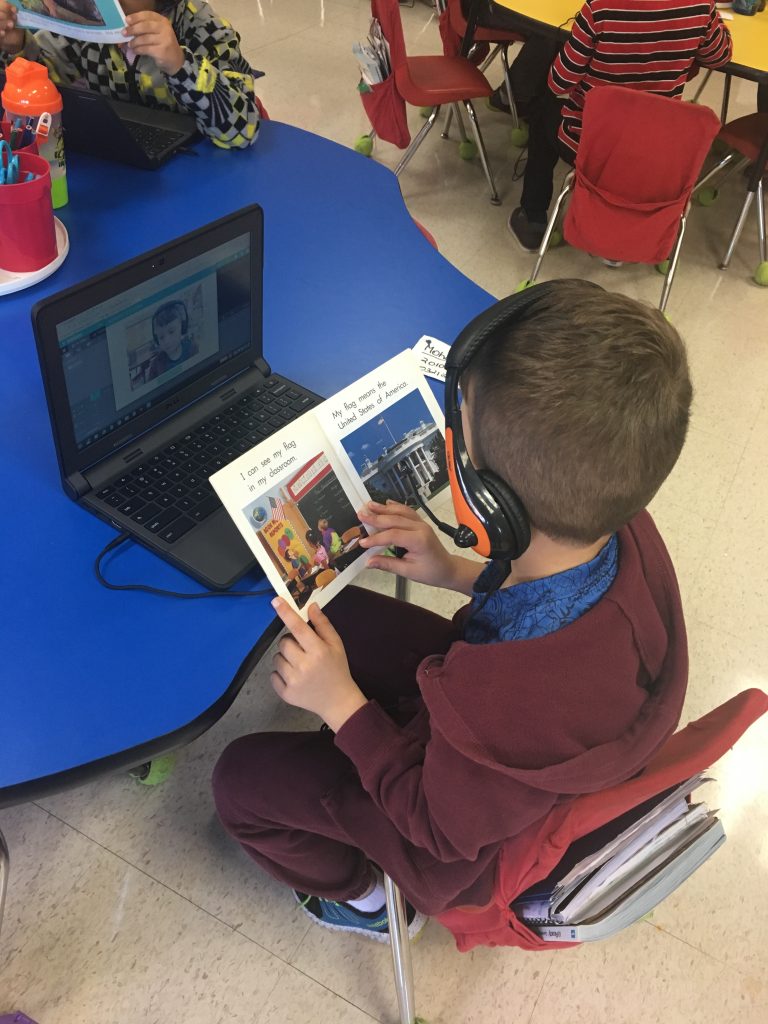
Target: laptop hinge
[[76, 485], [262, 365]]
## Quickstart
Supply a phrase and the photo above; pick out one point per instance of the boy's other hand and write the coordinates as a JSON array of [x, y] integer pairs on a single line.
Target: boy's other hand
[[425, 559], [310, 669], [151, 35], [11, 37]]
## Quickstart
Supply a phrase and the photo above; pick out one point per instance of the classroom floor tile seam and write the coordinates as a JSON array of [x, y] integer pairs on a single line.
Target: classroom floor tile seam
[[235, 929]]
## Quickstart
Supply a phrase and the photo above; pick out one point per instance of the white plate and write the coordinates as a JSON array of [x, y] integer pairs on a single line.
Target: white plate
[[12, 281]]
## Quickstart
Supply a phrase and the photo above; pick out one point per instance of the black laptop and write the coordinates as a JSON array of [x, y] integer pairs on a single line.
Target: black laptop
[[155, 379], [124, 132]]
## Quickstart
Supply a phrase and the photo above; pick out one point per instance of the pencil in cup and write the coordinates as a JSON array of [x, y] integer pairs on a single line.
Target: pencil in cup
[[6, 133], [27, 228]]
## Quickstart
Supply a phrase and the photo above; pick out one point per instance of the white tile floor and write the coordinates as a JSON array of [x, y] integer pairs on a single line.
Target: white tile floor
[[128, 904]]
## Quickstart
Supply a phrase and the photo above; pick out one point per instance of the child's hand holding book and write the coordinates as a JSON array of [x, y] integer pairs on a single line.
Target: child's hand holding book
[[310, 669], [425, 559]]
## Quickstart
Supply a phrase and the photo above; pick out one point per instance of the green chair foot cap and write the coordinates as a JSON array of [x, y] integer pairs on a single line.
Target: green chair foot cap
[[761, 275], [523, 285], [663, 267], [467, 150], [519, 136], [364, 145], [706, 196], [155, 771]]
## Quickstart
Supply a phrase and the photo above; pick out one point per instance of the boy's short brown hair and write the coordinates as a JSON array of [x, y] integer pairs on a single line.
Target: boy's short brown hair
[[582, 407]]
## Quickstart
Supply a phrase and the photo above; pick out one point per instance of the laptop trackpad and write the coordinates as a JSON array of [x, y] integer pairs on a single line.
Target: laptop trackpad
[[216, 551]]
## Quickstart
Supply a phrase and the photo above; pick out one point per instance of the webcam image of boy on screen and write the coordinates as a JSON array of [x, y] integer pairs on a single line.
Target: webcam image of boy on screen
[[171, 339]]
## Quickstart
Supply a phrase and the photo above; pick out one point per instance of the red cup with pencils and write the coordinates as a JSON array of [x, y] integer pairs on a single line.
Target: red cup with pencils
[[27, 229], [16, 134]]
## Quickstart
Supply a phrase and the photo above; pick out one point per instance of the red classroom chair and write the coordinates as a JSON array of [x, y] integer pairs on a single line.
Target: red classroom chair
[[747, 140], [424, 81], [530, 856], [453, 29], [636, 167]]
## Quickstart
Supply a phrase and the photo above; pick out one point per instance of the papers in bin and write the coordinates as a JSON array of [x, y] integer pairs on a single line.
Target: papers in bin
[[373, 56]]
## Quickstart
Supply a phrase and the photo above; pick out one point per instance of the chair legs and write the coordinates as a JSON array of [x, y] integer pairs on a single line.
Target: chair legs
[[401, 951], [738, 229], [673, 261], [495, 201], [551, 226], [423, 132]]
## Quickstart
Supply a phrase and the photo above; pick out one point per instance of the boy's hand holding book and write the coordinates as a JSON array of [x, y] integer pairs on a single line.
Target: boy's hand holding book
[[425, 559], [310, 669], [152, 35]]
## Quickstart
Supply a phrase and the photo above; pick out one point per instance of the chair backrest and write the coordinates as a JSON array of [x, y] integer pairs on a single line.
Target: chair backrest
[[638, 161], [531, 855]]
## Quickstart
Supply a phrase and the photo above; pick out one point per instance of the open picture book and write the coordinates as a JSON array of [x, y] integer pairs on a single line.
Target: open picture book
[[95, 21], [295, 496]]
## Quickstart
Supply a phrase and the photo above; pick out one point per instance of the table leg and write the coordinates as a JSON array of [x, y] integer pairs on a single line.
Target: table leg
[[726, 99]]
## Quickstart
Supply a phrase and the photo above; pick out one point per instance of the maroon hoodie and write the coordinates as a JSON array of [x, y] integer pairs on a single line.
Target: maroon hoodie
[[504, 731]]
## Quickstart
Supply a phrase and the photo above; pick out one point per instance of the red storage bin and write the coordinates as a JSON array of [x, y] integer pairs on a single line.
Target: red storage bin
[[27, 230]]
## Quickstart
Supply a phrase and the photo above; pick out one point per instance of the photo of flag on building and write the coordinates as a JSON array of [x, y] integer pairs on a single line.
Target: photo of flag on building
[[276, 505]]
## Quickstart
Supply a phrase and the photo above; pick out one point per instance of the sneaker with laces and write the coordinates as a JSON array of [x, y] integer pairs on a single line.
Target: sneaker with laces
[[342, 917]]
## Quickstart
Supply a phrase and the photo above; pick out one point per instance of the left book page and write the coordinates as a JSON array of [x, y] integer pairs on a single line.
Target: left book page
[[280, 495], [95, 21]]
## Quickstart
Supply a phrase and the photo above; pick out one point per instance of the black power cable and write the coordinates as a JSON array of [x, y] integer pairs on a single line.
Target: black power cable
[[144, 588]]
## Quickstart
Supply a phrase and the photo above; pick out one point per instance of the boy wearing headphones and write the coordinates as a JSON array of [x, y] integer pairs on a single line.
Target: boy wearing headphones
[[172, 341], [566, 408]]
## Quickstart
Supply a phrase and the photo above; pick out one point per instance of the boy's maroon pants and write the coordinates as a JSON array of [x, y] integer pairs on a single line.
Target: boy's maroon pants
[[271, 789]]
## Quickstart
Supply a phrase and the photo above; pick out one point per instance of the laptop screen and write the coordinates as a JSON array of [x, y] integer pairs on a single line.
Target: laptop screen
[[125, 355]]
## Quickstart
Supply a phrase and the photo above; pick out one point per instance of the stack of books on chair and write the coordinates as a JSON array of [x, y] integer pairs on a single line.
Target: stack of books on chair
[[616, 875]]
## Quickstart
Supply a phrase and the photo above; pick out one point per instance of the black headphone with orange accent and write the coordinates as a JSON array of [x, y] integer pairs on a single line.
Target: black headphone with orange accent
[[492, 519]]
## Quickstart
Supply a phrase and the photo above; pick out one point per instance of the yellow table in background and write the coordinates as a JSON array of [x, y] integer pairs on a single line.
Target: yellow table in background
[[750, 34]]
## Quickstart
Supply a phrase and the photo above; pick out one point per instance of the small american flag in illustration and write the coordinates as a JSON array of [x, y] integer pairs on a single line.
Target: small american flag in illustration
[[278, 512]]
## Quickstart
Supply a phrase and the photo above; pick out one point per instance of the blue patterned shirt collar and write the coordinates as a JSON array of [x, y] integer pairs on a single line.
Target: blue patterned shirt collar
[[538, 607]]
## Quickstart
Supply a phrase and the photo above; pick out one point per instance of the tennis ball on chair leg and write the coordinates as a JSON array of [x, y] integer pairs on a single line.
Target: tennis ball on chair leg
[[519, 136], [155, 771], [706, 196], [425, 111], [761, 275], [467, 150], [364, 145]]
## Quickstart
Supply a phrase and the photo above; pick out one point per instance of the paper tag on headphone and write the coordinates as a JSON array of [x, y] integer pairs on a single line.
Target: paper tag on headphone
[[431, 355]]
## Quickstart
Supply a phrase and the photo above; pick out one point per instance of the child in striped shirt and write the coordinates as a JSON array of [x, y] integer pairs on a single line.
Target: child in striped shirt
[[640, 44], [178, 55]]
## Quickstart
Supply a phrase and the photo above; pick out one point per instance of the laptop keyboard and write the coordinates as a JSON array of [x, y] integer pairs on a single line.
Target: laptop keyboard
[[153, 140], [169, 493]]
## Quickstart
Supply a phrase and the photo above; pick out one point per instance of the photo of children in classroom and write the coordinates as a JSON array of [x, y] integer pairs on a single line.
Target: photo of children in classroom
[[81, 12], [308, 527], [399, 453]]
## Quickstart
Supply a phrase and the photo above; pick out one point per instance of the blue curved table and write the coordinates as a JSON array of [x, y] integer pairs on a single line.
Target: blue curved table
[[93, 680]]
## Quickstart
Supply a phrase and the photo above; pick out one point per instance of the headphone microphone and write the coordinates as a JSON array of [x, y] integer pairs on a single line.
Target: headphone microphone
[[462, 536]]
